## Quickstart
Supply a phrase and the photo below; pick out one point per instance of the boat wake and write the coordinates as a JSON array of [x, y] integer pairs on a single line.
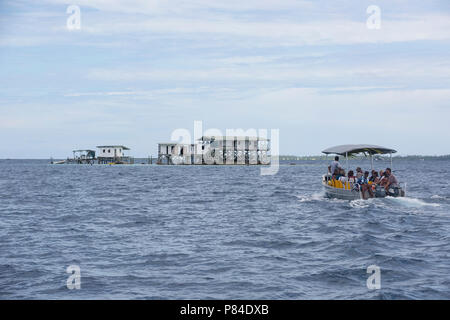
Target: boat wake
[[399, 202], [360, 203], [411, 202], [318, 196], [392, 201]]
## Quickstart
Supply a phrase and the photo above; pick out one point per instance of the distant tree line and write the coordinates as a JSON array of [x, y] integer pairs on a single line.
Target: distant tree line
[[361, 157]]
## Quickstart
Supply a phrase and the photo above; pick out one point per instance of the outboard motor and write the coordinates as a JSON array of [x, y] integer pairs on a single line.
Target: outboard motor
[[394, 192], [380, 192]]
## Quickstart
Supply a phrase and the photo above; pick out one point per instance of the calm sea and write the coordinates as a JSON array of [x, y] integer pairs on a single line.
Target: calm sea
[[218, 232]]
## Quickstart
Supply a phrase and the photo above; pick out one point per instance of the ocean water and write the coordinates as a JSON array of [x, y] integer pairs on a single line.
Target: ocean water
[[219, 232]]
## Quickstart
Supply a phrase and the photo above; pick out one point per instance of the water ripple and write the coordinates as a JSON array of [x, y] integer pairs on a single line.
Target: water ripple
[[149, 232]]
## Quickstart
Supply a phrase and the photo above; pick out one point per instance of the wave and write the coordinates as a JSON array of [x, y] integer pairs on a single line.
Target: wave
[[399, 201], [360, 203], [318, 196], [411, 202], [436, 196], [408, 202]]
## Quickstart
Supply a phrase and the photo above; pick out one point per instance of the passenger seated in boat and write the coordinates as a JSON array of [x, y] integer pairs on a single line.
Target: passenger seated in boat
[[383, 180], [381, 176], [374, 178], [351, 178], [342, 177], [359, 173], [391, 180], [364, 185]]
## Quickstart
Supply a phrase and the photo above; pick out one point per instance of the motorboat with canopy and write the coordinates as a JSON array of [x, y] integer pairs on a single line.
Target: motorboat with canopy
[[351, 191]]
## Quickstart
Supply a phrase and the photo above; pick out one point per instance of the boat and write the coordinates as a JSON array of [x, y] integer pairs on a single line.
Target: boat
[[351, 191]]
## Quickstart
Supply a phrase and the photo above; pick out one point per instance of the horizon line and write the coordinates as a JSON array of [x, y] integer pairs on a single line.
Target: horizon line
[[281, 155]]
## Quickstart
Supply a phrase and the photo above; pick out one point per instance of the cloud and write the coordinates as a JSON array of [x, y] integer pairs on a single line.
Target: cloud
[[287, 33], [233, 21], [392, 117], [23, 41], [282, 71], [138, 69], [149, 7], [363, 88], [309, 119], [111, 93]]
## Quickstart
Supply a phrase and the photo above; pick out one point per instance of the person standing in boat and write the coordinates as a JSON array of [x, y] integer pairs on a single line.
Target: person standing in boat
[[335, 165]]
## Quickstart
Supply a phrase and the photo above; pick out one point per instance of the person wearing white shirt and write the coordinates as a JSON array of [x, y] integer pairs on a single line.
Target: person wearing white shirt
[[335, 165]]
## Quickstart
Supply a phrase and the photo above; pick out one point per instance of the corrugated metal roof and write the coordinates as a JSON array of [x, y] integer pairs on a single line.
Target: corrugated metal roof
[[123, 147], [232, 138], [174, 144]]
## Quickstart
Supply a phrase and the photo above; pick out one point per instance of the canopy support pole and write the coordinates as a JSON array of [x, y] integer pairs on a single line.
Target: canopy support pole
[[390, 155], [346, 159], [371, 161]]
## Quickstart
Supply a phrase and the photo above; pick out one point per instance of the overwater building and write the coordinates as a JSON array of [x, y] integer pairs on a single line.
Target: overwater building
[[217, 150], [82, 157], [113, 154]]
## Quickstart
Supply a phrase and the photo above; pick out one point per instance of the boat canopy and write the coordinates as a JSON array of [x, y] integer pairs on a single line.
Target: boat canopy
[[349, 149]]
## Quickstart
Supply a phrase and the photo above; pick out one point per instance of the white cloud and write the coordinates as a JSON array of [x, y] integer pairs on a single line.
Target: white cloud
[[363, 88], [309, 120], [286, 33], [191, 19], [181, 6], [22, 41], [391, 117], [389, 69], [137, 66]]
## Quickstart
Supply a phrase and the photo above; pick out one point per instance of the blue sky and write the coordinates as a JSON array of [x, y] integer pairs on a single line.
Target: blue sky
[[139, 69]]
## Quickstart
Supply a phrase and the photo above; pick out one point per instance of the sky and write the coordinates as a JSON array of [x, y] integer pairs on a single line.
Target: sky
[[136, 70]]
